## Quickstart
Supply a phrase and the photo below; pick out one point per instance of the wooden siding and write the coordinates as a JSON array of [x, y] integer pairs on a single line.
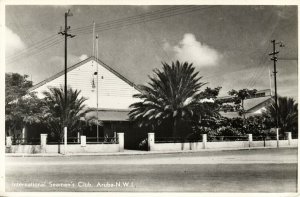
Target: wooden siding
[[114, 92]]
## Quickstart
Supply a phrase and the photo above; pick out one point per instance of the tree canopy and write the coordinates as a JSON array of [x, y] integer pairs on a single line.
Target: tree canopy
[[173, 94], [238, 98], [58, 113], [16, 86], [21, 107], [287, 113]]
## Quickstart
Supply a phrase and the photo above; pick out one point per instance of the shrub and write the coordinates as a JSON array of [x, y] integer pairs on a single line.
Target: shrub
[[143, 145]]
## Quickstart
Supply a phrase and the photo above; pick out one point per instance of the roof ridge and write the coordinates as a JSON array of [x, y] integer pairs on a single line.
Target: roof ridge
[[80, 64]]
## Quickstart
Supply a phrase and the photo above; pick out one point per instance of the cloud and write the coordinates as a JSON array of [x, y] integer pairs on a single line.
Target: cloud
[[83, 57], [13, 42], [193, 51]]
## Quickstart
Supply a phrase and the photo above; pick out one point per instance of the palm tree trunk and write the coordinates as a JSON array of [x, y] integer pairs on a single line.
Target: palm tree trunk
[[174, 127], [58, 141]]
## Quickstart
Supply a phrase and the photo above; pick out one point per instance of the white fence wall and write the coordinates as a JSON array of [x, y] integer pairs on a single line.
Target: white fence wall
[[220, 145], [23, 149], [217, 145], [233, 144], [68, 148], [89, 148], [177, 146]]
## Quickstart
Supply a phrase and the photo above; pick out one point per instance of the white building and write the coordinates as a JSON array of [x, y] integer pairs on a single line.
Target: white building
[[115, 92]]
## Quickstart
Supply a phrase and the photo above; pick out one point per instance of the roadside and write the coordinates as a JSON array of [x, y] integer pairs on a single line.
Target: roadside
[[134, 152], [260, 170], [276, 156]]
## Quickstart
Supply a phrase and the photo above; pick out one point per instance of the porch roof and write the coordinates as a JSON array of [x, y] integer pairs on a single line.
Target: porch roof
[[110, 114]]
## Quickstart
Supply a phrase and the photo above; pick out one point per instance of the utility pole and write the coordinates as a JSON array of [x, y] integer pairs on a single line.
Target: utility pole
[[97, 48], [65, 33], [274, 58]]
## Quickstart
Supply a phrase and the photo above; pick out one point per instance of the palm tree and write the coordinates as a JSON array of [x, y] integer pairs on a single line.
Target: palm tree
[[59, 114], [287, 114], [171, 95]]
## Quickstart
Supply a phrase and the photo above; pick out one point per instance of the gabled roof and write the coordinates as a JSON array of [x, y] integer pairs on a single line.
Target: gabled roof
[[80, 64], [255, 104], [250, 106]]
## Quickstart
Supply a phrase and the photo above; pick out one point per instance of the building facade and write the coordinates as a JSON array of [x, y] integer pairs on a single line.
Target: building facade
[[107, 92], [110, 94]]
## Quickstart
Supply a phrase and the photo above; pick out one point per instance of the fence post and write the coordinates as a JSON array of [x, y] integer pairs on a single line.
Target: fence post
[[83, 140], [65, 139], [277, 137], [204, 140], [23, 135], [8, 141], [78, 137], [121, 141], [43, 142], [151, 141], [250, 139], [289, 137]]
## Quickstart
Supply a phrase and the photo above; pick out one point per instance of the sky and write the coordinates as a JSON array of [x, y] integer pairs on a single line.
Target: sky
[[228, 45]]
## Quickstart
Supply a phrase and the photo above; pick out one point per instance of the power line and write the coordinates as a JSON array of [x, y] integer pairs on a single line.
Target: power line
[[260, 70], [109, 25], [143, 19], [34, 51], [288, 58], [36, 44], [119, 20], [157, 43], [139, 16]]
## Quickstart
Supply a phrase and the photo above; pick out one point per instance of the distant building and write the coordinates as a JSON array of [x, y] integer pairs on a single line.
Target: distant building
[[253, 106]]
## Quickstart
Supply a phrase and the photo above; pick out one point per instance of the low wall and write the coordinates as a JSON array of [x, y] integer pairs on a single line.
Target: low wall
[[89, 148], [294, 142], [221, 145], [232, 144], [176, 146], [273, 143], [71, 148], [23, 149]]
